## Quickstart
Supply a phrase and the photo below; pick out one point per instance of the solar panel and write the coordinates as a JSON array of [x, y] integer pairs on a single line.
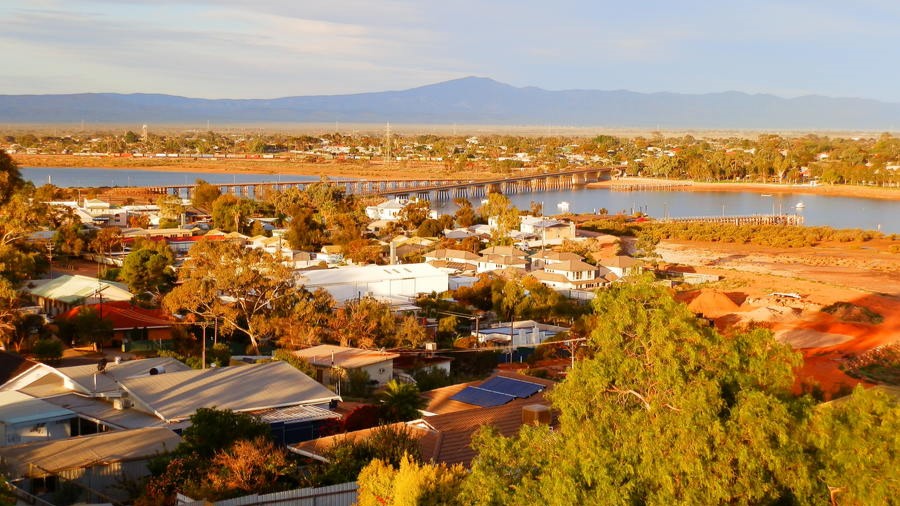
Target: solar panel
[[480, 397], [513, 387]]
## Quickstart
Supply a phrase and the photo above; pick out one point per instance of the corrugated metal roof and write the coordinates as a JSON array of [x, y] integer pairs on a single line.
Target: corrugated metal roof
[[103, 411], [72, 289], [295, 414], [369, 274], [176, 396], [340, 356], [107, 381], [86, 451], [16, 408]]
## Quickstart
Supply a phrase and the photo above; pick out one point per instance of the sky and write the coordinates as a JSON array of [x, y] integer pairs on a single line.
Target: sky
[[277, 48]]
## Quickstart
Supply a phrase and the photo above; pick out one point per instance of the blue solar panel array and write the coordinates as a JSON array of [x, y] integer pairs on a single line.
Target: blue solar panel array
[[480, 397], [497, 391], [517, 388]]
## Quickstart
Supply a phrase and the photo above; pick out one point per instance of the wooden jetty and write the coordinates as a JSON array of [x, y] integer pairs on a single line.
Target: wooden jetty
[[752, 219]]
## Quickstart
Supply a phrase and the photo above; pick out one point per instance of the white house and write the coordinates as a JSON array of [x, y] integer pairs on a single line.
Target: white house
[[621, 265], [389, 210], [453, 255], [573, 274], [391, 282], [378, 365], [498, 258]]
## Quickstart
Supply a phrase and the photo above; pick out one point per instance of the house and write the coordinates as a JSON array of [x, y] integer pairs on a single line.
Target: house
[[402, 246], [326, 358], [447, 437], [542, 258], [448, 399], [134, 328], [389, 210], [453, 260], [15, 369], [522, 332], [547, 230], [62, 293], [24, 419], [97, 462], [498, 258], [571, 274], [331, 254], [94, 380], [621, 265], [175, 396], [396, 283]]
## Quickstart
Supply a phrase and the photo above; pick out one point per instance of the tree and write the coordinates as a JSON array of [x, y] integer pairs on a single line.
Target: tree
[[247, 290], [409, 484], [664, 410], [230, 213], [414, 213], [87, 326], [305, 232], [10, 178], [106, 241], [464, 216], [149, 269], [205, 194], [213, 430], [430, 228], [363, 323], [400, 402], [248, 466], [506, 215], [170, 211], [410, 333], [298, 363], [364, 251]]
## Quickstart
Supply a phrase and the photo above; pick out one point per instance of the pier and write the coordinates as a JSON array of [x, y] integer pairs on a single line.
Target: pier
[[434, 190], [751, 219]]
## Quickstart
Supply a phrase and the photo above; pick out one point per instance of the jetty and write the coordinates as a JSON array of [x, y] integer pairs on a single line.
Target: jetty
[[650, 186], [750, 219], [434, 190]]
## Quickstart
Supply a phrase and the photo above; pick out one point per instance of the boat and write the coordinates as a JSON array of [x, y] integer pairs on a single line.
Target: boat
[[765, 194], [800, 205], [563, 206]]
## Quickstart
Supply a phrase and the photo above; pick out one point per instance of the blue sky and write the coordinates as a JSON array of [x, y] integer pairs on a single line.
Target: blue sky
[[274, 48]]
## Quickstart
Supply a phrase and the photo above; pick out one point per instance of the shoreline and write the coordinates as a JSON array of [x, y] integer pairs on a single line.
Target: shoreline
[[869, 192]]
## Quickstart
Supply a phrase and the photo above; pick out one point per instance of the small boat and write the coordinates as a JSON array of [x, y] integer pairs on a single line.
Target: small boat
[[563, 206], [800, 205], [765, 194]]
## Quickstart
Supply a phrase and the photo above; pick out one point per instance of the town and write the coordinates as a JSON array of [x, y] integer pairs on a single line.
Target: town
[[312, 342]]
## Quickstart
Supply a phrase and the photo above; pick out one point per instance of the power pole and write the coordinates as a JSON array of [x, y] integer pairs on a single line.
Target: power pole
[[387, 144]]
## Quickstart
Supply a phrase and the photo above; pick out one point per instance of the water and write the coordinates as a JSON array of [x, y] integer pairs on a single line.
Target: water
[[85, 177], [837, 212], [819, 210]]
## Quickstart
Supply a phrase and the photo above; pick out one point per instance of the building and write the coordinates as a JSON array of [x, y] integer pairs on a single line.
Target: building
[[395, 283], [389, 210], [175, 396], [520, 333], [97, 462], [571, 274], [498, 258], [547, 230], [62, 293], [621, 265], [328, 358], [134, 328], [24, 419]]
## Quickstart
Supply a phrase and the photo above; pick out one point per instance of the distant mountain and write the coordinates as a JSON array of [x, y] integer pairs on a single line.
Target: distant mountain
[[471, 100]]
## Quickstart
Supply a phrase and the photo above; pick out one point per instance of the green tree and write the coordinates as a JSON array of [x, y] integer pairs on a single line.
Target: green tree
[[10, 178], [87, 326], [305, 232], [410, 333], [400, 402], [149, 269], [464, 216], [414, 214], [664, 410], [212, 430]]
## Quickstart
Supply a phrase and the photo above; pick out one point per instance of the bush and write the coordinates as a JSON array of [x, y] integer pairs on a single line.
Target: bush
[[48, 350]]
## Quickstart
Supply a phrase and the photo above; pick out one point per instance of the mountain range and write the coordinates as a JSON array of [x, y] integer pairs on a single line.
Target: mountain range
[[470, 100]]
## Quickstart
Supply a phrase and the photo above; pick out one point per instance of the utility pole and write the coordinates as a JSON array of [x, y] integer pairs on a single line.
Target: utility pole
[[387, 144]]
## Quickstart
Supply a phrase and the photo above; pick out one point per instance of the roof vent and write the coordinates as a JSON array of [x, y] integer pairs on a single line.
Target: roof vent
[[157, 370]]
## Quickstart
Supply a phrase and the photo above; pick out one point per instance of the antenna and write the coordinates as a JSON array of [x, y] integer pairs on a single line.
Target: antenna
[[101, 364]]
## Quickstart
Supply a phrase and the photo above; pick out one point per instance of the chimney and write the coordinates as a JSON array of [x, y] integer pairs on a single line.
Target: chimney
[[536, 414]]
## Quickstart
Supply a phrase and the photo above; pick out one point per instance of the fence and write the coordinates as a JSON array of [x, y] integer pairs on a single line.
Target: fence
[[343, 494]]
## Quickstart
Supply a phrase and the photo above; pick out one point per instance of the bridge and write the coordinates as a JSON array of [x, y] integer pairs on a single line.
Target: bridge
[[435, 190]]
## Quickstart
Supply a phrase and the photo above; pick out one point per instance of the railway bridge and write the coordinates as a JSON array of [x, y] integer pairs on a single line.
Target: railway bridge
[[435, 190]]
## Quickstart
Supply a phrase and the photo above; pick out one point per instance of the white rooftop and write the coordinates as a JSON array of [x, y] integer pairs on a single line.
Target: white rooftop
[[369, 274], [74, 289], [17, 408]]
